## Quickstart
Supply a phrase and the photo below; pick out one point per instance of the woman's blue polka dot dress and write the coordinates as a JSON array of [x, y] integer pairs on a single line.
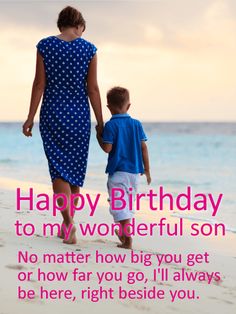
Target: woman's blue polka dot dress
[[65, 113]]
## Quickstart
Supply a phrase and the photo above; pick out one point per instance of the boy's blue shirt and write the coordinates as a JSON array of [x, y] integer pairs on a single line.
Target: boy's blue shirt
[[125, 134]]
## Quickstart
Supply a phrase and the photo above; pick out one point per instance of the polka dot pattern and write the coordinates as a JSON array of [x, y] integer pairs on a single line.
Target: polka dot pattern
[[65, 113]]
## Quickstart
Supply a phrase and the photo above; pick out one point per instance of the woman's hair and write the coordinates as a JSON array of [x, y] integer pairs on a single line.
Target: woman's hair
[[70, 17], [117, 97]]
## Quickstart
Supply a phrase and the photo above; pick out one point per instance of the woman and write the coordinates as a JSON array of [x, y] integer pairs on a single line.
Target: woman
[[66, 76]]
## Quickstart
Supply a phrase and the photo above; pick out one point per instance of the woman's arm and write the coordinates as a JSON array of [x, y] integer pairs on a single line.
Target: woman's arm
[[36, 94], [93, 92]]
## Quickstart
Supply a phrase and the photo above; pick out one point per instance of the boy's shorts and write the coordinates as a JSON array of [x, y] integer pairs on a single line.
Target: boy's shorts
[[124, 181]]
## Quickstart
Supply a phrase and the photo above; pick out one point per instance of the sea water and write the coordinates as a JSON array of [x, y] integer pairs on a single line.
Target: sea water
[[200, 155]]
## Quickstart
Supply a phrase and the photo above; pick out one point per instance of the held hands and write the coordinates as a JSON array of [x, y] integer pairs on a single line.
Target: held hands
[[27, 127], [99, 129]]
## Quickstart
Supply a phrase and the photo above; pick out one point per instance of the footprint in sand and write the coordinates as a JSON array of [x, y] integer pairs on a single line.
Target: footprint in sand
[[137, 306], [162, 284], [228, 302], [225, 301], [16, 267], [33, 280], [40, 236], [133, 268], [99, 241], [5, 207]]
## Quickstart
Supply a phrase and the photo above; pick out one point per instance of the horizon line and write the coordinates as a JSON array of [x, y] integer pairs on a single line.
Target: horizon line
[[146, 121]]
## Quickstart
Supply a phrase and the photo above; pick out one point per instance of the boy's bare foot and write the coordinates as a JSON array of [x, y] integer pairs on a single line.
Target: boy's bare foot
[[72, 237], [121, 238], [127, 244]]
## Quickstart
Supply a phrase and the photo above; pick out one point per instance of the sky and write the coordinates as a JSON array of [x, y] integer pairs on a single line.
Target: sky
[[177, 57]]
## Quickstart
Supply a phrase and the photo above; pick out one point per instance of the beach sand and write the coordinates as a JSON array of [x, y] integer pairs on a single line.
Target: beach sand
[[217, 297]]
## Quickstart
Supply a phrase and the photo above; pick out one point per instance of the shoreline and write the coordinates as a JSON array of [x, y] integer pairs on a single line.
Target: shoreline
[[92, 199], [142, 216]]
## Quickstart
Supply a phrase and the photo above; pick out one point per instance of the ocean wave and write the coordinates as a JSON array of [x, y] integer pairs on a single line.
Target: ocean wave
[[7, 160], [183, 183], [196, 128], [210, 221]]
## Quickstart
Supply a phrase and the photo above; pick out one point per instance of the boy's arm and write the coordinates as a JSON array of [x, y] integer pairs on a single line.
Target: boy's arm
[[146, 161], [106, 147]]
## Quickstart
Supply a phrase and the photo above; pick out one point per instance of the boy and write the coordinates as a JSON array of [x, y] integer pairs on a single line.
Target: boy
[[124, 139]]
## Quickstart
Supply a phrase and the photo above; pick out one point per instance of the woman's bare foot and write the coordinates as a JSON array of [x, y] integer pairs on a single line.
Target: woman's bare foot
[[61, 234], [127, 244], [121, 238], [72, 237]]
